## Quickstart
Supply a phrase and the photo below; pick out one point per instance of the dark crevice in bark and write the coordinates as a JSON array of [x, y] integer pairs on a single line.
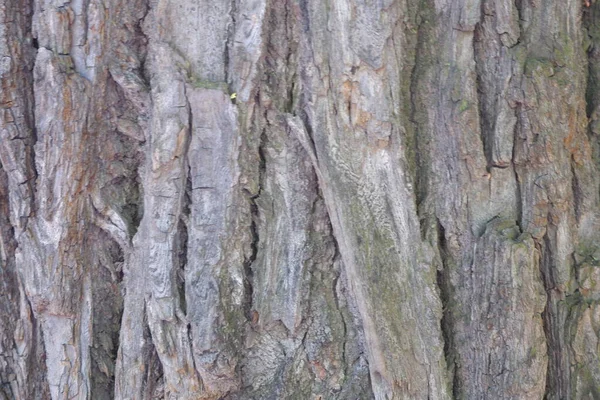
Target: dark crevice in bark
[[292, 50], [337, 258], [419, 118], [518, 194], [133, 211], [119, 260], [592, 79], [255, 219], [557, 377], [519, 7], [577, 191], [182, 242], [590, 21], [153, 379], [7, 238], [32, 182], [248, 272], [229, 45], [30, 115], [309, 132], [486, 127], [418, 178], [446, 322], [106, 278], [290, 104], [37, 357], [140, 44], [8, 286], [6, 391], [347, 363]]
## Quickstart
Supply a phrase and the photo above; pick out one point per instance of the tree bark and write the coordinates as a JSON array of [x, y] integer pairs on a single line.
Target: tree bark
[[299, 199]]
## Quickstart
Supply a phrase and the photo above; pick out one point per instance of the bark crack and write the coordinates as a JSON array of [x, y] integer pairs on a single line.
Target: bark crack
[[420, 154], [446, 322], [229, 40], [556, 384], [250, 314]]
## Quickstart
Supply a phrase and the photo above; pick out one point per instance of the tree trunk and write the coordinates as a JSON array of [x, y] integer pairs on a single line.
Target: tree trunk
[[299, 199]]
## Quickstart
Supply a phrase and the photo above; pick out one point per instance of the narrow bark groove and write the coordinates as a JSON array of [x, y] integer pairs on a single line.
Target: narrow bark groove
[[252, 315]]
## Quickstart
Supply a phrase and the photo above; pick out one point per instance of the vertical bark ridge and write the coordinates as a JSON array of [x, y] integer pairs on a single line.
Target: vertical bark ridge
[[370, 216], [22, 371], [293, 350], [468, 134]]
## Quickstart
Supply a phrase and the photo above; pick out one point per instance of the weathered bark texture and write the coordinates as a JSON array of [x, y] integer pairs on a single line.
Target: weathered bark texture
[[299, 199]]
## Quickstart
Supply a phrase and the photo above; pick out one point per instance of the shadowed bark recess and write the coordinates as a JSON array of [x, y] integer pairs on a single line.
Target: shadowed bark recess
[[299, 199]]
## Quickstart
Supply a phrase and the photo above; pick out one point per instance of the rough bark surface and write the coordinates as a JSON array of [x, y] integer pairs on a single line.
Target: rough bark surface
[[299, 199]]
